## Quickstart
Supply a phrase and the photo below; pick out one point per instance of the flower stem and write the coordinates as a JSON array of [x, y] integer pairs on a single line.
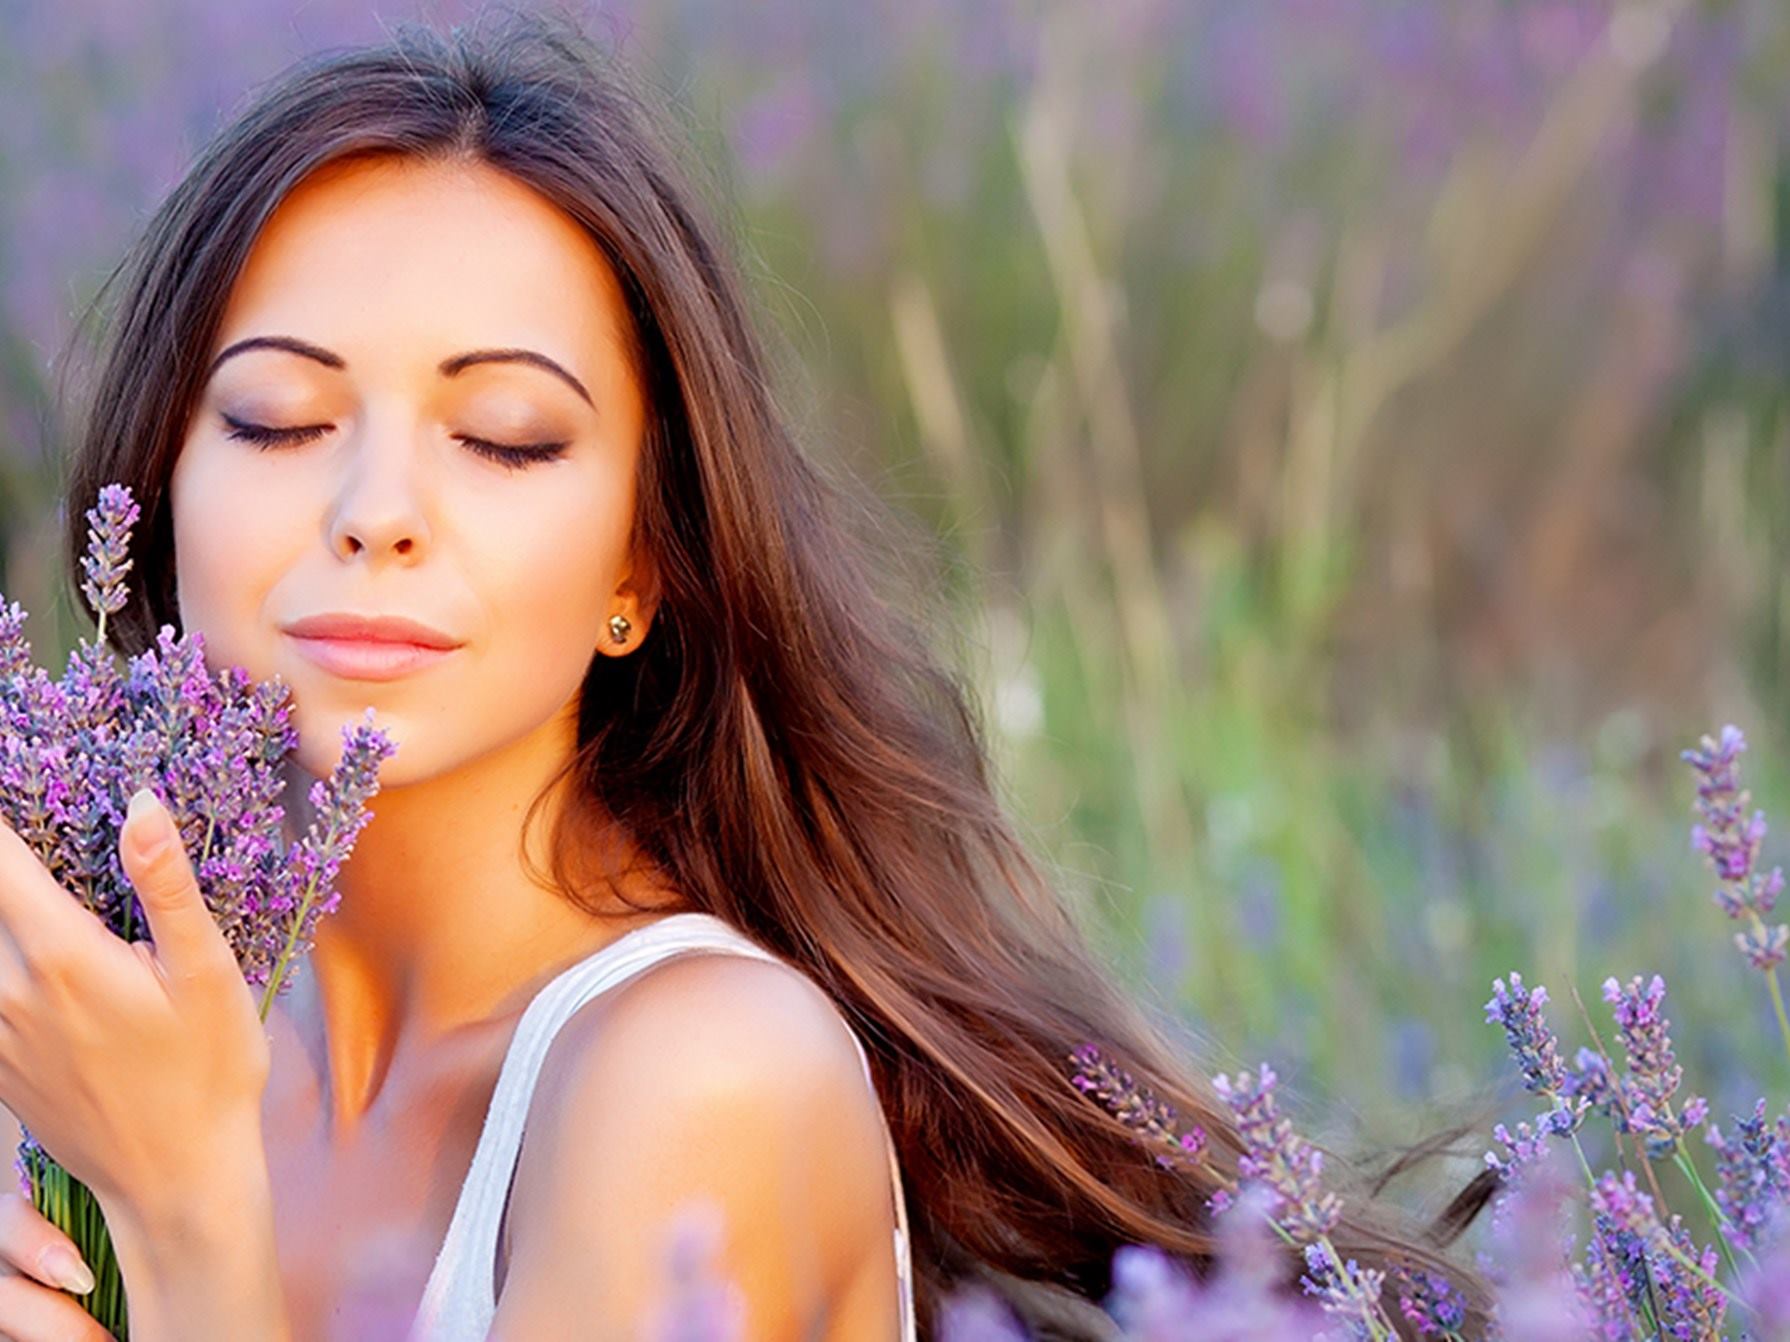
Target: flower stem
[[1777, 1004], [298, 921], [1724, 1228]]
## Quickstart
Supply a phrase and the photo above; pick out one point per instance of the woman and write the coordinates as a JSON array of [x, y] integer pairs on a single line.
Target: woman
[[435, 330]]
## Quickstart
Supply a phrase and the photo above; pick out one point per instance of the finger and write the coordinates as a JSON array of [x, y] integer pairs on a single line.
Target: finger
[[31, 1244], [32, 1312], [187, 940], [35, 912]]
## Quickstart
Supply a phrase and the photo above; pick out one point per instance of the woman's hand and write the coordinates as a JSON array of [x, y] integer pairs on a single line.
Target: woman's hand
[[34, 1302], [133, 1064]]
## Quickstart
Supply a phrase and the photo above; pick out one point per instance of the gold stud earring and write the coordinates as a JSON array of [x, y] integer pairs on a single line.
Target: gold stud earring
[[618, 628]]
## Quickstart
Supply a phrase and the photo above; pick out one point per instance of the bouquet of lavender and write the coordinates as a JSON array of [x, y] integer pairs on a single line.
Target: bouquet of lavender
[[72, 752]]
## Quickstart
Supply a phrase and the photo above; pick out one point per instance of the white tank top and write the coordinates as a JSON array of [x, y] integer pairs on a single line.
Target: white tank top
[[459, 1301]]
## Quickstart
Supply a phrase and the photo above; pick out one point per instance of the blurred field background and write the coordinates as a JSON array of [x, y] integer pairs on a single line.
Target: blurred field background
[[1359, 428]]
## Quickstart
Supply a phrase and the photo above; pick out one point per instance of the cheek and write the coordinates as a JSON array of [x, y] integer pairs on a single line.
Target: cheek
[[552, 589], [227, 540]]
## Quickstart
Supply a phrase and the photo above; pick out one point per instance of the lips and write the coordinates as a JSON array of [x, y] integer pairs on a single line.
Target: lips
[[368, 659], [349, 626]]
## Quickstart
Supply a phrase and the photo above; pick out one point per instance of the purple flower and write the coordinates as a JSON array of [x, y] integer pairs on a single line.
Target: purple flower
[[1135, 1107], [1764, 1285], [1752, 1172], [1653, 1074], [1274, 1155], [1536, 1298], [211, 747], [1590, 1079], [1429, 1301], [1518, 1010], [1345, 1288], [108, 549], [1657, 1262], [1730, 840], [975, 1313], [1156, 1300]]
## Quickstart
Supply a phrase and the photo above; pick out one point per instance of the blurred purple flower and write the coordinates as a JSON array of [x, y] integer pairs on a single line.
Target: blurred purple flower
[[1730, 840], [1535, 1297], [975, 1313], [700, 1304], [1156, 1300]]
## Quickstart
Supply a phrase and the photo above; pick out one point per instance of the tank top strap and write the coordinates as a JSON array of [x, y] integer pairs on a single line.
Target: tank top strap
[[459, 1301]]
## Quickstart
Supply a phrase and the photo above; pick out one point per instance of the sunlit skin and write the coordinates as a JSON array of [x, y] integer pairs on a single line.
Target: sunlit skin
[[384, 1054]]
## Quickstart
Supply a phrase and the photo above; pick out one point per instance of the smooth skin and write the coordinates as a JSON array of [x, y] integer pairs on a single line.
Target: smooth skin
[[712, 1077]]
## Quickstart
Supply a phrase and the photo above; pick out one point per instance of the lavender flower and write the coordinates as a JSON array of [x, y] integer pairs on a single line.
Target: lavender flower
[[108, 547], [1346, 1289], [1536, 1299], [1590, 1079], [1764, 1287], [1155, 1300], [975, 1313], [1730, 840], [1276, 1156], [1656, 1263], [1136, 1107], [1752, 1173], [1429, 1302], [1653, 1075], [1528, 1145], [1518, 1010]]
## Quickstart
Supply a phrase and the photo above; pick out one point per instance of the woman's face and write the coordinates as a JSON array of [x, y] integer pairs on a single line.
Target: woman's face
[[388, 272]]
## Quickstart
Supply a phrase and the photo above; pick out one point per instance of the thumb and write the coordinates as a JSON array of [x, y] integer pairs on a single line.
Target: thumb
[[187, 940]]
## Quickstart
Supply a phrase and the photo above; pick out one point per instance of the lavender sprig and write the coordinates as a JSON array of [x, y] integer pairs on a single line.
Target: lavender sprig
[[1657, 1264], [1135, 1107], [1730, 841], [340, 809], [1277, 1157], [1518, 1009], [108, 552], [1752, 1173], [1430, 1303], [1653, 1073], [1279, 1160]]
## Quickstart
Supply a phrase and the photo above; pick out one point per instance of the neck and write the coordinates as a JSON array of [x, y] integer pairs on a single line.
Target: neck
[[443, 927]]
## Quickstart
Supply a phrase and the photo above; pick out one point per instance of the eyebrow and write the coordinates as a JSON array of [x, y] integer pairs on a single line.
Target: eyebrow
[[447, 367]]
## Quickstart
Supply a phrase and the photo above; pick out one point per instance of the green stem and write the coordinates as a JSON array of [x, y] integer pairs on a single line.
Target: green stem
[[1777, 1003], [298, 921], [1724, 1228]]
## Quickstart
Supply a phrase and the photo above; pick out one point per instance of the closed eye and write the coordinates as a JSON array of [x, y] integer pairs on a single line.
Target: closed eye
[[512, 458]]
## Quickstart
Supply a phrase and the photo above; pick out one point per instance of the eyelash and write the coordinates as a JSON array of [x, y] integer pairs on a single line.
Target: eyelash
[[511, 458]]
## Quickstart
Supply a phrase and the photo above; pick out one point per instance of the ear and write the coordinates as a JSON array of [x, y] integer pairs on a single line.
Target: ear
[[636, 598]]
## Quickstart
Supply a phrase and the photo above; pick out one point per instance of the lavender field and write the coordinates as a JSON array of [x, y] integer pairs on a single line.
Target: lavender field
[[1359, 431]]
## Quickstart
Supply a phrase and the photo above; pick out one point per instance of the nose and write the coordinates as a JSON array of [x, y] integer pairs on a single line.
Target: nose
[[380, 509]]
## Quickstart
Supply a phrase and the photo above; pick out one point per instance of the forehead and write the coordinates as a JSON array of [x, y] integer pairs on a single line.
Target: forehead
[[390, 258]]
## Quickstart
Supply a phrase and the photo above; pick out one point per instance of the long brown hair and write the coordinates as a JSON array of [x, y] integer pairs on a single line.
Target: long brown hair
[[787, 745]]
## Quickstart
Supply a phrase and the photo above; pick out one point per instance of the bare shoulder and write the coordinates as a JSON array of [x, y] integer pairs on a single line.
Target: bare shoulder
[[714, 1077]]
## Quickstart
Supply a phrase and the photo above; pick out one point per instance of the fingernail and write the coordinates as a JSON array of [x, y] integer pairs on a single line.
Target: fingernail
[[155, 830], [64, 1267]]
